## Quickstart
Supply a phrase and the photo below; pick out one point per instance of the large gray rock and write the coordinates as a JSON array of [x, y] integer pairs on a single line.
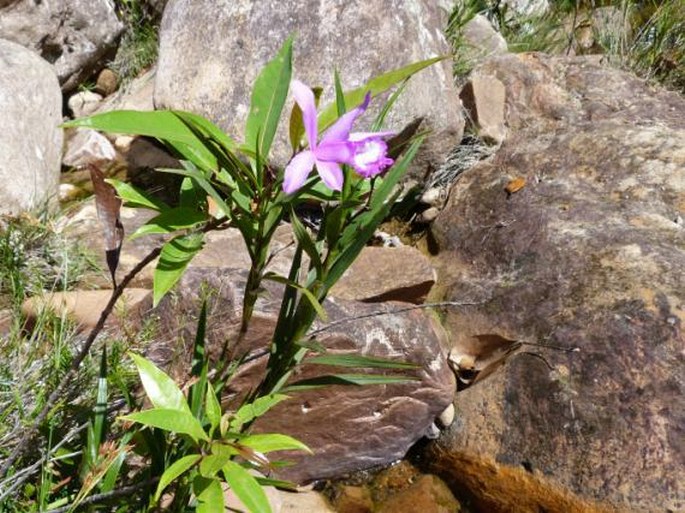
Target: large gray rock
[[74, 35], [211, 71], [348, 427], [586, 252], [31, 143]]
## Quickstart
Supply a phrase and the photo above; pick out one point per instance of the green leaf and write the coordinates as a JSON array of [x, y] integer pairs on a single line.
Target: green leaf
[[257, 408], [209, 128], [210, 496], [305, 292], [375, 86], [347, 379], [340, 106], [175, 257], [199, 364], [355, 360], [135, 198], [273, 442], [170, 420], [357, 233], [179, 218], [193, 172], [212, 407], [268, 97], [307, 243], [174, 471], [159, 387], [213, 463], [246, 488], [164, 125]]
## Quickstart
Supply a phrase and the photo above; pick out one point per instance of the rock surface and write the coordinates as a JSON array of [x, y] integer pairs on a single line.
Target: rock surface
[[87, 146], [481, 40], [588, 253], [348, 427], [358, 38], [484, 99], [387, 274], [85, 306], [73, 35], [31, 104]]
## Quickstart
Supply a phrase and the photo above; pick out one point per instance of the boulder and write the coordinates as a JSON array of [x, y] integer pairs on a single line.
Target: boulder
[[31, 146], [571, 236], [86, 146], [481, 40], [348, 427], [483, 99], [73, 35], [358, 38]]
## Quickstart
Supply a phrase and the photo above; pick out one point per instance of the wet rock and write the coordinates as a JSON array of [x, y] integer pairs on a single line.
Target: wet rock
[[373, 425], [587, 255], [486, 485], [31, 104], [73, 35], [428, 494], [358, 38], [354, 499]]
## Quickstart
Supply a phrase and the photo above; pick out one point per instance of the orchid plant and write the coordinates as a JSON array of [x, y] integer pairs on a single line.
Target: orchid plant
[[360, 179]]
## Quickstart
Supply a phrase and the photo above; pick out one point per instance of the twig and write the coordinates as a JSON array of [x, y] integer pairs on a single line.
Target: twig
[[71, 373], [100, 497], [21, 476], [346, 320]]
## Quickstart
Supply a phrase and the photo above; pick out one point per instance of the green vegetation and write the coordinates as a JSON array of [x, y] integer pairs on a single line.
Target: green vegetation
[[78, 433], [139, 44], [647, 36]]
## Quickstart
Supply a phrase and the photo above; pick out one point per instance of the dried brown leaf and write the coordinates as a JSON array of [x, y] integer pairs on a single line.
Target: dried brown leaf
[[108, 206]]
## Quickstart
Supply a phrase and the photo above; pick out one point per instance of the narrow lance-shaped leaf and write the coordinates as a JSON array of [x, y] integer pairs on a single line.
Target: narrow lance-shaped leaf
[[108, 206], [135, 198], [171, 220], [347, 379], [375, 86], [356, 360], [268, 97]]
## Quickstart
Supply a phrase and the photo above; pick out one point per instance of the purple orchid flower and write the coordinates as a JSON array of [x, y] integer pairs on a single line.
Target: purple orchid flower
[[365, 151]]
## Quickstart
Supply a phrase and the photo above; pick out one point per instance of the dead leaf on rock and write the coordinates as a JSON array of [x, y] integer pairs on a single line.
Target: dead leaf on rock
[[488, 354], [108, 205], [515, 185]]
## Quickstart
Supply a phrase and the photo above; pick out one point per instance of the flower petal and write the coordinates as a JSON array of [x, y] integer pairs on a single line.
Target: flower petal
[[335, 151], [304, 97], [360, 136], [297, 170], [340, 130], [331, 174]]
